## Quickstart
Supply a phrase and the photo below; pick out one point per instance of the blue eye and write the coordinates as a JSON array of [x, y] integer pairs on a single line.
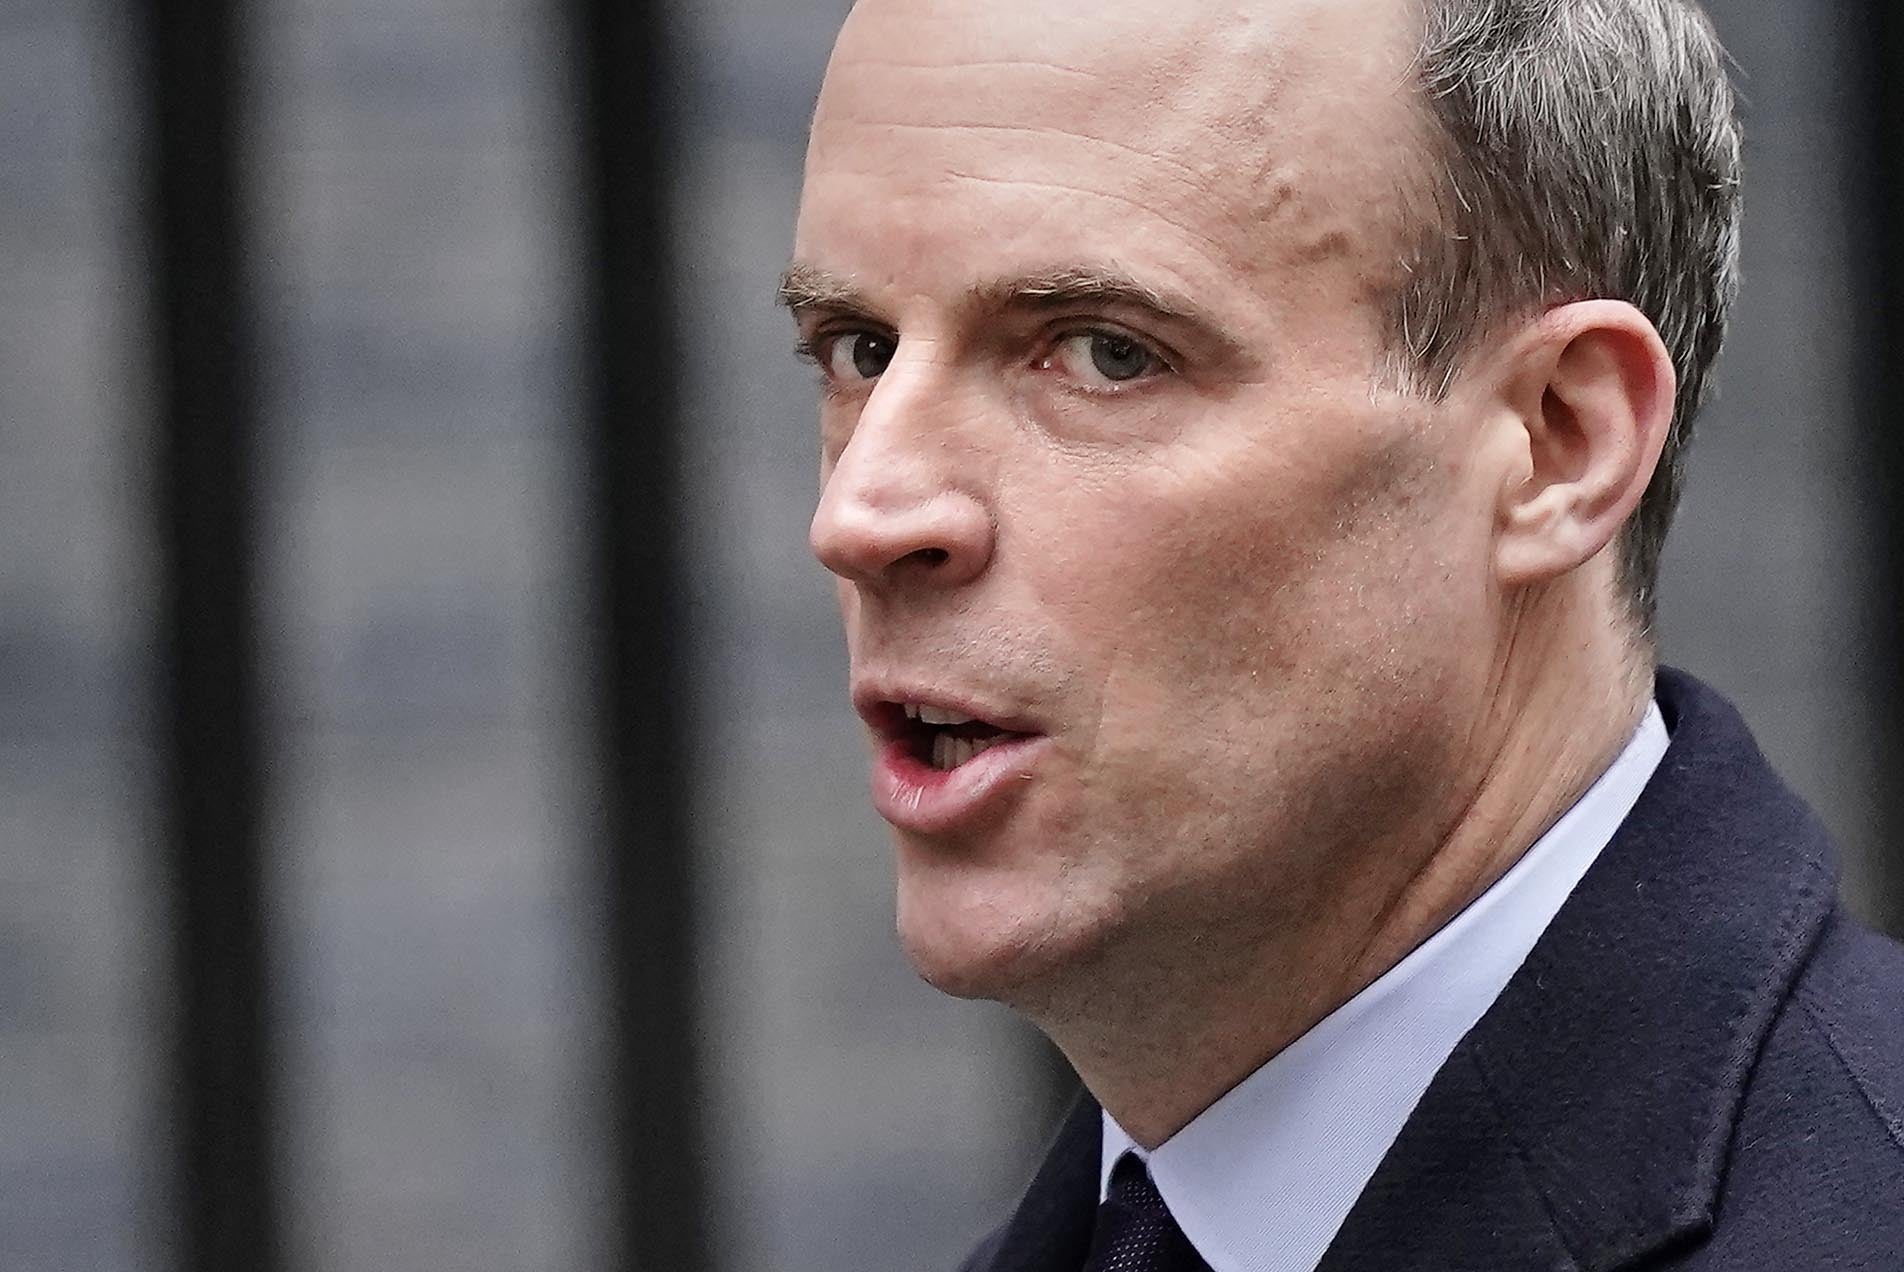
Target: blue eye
[[1105, 359], [1119, 358]]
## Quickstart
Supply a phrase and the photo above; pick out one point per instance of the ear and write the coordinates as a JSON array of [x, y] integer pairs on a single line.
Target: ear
[[1590, 388]]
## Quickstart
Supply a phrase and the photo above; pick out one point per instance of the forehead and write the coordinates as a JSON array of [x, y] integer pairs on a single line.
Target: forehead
[[1206, 140]]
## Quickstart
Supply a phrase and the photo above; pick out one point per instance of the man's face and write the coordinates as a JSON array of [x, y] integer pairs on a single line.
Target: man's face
[[1110, 465]]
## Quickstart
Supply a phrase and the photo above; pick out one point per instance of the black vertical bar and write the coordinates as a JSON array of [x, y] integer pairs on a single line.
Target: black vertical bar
[[1878, 249], [222, 1079], [640, 672]]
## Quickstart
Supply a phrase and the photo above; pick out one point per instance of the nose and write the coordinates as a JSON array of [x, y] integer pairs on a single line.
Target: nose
[[899, 507]]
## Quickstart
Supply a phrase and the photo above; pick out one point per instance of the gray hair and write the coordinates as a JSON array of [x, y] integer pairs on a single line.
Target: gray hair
[[1587, 149]]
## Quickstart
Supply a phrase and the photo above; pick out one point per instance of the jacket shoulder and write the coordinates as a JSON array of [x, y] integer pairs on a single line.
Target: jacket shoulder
[[1816, 1176], [1852, 995]]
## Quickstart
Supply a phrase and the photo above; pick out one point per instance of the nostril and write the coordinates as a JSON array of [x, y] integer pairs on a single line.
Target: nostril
[[940, 541]]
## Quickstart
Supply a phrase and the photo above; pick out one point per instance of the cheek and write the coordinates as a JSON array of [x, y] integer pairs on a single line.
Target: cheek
[[1243, 592], [1207, 572]]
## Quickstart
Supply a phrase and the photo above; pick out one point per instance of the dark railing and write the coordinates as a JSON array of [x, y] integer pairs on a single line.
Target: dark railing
[[639, 667], [210, 731], [224, 1183], [1878, 247]]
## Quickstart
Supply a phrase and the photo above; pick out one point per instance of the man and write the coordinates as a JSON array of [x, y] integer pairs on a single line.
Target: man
[[1248, 432]]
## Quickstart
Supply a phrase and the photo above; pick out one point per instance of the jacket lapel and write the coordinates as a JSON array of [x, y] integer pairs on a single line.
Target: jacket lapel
[[1585, 1121]]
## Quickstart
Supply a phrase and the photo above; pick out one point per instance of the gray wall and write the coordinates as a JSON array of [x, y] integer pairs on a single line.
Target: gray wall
[[81, 957], [411, 188], [1768, 571]]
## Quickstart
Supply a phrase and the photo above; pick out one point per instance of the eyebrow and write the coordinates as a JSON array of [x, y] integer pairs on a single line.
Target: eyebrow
[[1086, 284], [805, 287]]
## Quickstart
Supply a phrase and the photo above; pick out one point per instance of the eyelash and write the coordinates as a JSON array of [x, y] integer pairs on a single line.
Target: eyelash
[[812, 350], [1165, 360]]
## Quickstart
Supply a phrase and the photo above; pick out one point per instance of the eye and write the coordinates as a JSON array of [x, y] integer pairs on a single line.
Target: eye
[[856, 355], [1104, 359]]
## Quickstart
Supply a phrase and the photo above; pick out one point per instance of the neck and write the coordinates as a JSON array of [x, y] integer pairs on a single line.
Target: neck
[[1158, 1037]]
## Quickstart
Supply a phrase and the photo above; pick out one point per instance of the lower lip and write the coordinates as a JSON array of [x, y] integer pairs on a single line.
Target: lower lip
[[914, 796]]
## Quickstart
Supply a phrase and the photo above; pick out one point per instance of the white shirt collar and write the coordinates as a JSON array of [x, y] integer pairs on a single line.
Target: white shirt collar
[[1263, 1178]]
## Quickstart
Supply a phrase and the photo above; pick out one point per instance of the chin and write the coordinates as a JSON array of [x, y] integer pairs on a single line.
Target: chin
[[968, 966], [977, 932]]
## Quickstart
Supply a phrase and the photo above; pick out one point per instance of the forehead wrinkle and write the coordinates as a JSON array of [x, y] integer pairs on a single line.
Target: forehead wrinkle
[[998, 64], [1213, 250], [1203, 237], [1161, 162], [1222, 195], [1193, 177], [1177, 192]]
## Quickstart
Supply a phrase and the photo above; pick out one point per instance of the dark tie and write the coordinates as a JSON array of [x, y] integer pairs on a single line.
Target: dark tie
[[1134, 1231]]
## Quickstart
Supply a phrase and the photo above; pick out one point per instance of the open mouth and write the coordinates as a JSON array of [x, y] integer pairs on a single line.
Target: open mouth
[[939, 770], [945, 739]]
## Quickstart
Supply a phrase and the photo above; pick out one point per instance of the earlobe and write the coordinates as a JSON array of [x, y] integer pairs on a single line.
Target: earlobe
[[1593, 387]]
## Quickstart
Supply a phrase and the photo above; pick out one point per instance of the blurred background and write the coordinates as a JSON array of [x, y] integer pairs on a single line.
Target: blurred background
[[417, 912]]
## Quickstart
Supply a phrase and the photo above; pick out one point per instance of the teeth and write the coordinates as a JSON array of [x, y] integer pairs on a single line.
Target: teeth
[[949, 752], [934, 715], [912, 710]]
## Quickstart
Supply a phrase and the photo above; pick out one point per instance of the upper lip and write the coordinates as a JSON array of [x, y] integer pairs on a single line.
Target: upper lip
[[882, 706]]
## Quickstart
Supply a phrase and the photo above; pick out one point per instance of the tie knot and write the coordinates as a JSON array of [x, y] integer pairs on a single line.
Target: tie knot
[[1134, 1231], [1132, 1188]]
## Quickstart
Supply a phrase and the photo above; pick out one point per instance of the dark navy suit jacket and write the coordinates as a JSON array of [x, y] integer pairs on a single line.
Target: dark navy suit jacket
[[1699, 1067]]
